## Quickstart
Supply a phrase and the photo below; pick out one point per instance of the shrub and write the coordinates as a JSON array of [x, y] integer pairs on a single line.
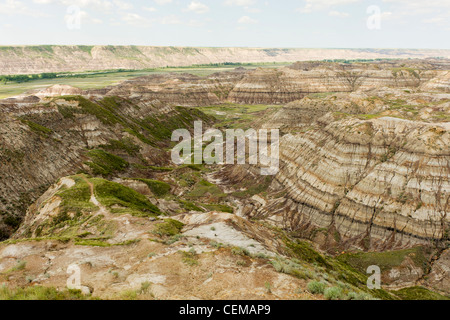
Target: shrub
[[333, 293], [237, 251], [169, 228], [190, 258], [316, 287]]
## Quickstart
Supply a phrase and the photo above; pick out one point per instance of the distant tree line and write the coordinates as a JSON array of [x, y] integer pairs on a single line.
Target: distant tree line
[[346, 61], [19, 78]]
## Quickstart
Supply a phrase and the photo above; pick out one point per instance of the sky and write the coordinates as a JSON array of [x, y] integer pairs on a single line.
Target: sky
[[228, 23]]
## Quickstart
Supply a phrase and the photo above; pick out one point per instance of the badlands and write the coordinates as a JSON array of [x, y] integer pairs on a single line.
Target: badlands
[[87, 184]]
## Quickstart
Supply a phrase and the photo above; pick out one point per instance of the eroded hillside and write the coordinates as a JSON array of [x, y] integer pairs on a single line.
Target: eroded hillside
[[364, 180], [39, 59]]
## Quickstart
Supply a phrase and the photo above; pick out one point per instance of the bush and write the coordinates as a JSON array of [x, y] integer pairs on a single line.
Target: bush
[[316, 287], [333, 293], [190, 258], [169, 228], [238, 251]]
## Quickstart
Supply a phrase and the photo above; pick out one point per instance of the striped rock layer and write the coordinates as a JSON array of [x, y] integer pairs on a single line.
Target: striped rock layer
[[378, 183]]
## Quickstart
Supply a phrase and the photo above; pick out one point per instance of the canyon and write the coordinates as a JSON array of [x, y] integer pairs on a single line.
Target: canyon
[[364, 179], [53, 58]]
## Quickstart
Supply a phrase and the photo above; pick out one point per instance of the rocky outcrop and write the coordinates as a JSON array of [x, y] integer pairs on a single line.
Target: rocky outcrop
[[439, 83], [378, 183], [269, 86], [439, 276], [58, 90], [180, 89], [266, 85]]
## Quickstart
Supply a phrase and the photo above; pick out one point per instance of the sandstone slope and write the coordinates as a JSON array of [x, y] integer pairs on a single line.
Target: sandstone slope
[[39, 59]]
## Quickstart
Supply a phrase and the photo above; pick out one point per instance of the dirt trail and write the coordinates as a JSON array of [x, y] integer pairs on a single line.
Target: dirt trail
[[126, 230], [93, 199]]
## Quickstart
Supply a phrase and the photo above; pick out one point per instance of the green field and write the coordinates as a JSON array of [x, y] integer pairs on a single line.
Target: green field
[[101, 79], [237, 116]]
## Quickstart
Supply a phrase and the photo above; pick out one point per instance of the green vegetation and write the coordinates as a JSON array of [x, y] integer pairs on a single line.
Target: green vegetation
[[303, 251], [411, 71], [238, 251], [40, 293], [169, 227], [41, 130], [190, 206], [125, 144], [385, 260], [204, 188], [102, 243], [268, 287], [316, 287], [104, 163], [18, 84], [88, 107], [20, 265], [219, 207], [351, 61], [155, 130], [158, 188], [236, 116], [20, 78], [292, 267], [161, 127], [190, 257], [75, 199], [330, 269], [333, 293], [253, 188], [121, 199], [419, 293]]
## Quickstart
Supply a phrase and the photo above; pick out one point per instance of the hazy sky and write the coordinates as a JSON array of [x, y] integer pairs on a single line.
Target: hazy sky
[[242, 23]]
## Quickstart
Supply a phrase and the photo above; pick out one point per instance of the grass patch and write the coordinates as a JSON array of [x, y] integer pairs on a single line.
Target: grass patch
[[204, 188], [37, 128], [254, 189], [219, 208], [190, 257], [333, 293], [158, 188], [75, 199], [104, 163], [89, 107], [121, 199], [190, 206], [169, 227], [102, 243], [419, 293], [385, 260], [125, 144], [40, 293], [238, 251], [316, 287]]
